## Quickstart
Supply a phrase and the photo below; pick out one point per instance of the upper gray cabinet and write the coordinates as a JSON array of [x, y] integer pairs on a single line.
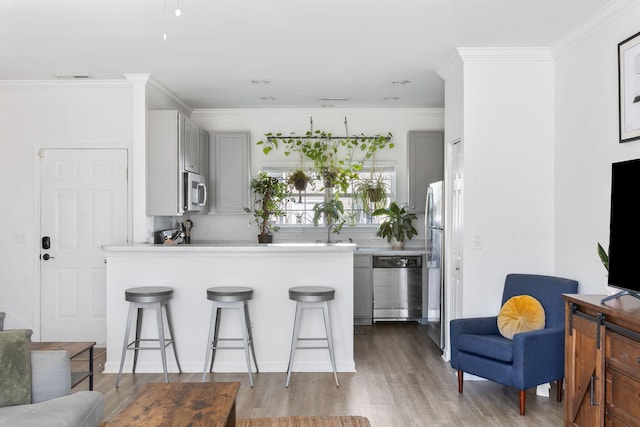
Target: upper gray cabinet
[[174, 145], [425, 151], [195, 158], [230, 153]]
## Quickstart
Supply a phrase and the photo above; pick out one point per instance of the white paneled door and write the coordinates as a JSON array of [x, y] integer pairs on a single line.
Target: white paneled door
[[83, 205]]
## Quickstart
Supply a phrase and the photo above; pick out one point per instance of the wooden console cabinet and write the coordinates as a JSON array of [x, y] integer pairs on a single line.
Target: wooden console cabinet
[[602, 361]]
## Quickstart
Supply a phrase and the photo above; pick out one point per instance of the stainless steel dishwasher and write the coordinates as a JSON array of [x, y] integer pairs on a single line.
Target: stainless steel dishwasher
[[397, 287]]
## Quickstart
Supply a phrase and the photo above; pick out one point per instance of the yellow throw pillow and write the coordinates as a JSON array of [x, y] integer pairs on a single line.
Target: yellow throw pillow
[[521, 313]]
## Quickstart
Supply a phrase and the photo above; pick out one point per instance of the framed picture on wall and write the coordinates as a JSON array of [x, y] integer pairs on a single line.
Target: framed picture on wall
[[629, 87]]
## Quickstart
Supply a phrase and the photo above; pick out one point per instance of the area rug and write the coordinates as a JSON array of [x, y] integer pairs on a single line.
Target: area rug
[[304, 422]]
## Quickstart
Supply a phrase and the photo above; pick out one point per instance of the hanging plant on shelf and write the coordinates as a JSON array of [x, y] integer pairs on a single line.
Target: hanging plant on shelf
[[336, 160]]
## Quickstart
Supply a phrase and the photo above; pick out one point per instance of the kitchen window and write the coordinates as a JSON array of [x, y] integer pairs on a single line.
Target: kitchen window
[[299, 207]]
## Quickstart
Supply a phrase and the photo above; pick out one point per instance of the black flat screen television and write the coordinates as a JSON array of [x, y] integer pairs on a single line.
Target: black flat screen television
[[624, 229]]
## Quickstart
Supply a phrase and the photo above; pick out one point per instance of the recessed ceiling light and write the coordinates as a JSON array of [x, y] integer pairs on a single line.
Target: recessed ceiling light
[[260, 82], [401, 82], [391, 98], [333, 99], [268, 98], [74, 76]]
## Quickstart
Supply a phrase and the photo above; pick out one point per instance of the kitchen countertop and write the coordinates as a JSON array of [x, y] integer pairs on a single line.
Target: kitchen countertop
[[232, 247], [386, 251]]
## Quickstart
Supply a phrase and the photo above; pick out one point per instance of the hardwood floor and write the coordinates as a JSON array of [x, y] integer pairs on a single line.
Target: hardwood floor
[[401, 381]]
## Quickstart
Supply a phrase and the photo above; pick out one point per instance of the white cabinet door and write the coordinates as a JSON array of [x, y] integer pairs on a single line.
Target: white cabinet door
[[230, 174]]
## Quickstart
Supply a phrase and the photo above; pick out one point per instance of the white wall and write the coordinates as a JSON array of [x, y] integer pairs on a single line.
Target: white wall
[[508, 171], [586, 144], [36, 115], [260, 121]]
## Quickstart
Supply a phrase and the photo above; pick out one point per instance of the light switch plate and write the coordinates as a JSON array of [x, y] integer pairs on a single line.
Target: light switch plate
[[477, 241]]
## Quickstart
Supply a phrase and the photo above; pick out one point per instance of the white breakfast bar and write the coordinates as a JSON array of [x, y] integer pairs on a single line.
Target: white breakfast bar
[[269, 269]]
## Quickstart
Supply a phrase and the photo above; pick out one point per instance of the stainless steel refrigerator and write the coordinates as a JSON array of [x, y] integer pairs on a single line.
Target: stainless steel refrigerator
[[433, 310]]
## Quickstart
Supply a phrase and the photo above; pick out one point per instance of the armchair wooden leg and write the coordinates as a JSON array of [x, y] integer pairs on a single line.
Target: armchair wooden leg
[[559, 384], [460, 378], [523, 398]]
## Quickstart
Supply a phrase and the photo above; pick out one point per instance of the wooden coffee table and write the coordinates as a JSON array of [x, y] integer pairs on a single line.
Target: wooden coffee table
[[75, 349], [181, 404]]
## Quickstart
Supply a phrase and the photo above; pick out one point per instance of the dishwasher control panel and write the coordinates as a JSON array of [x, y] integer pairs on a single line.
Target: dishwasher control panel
[[397, 261]]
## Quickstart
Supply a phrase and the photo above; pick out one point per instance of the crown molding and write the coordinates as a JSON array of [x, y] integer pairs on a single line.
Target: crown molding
[[600, 19], [305, 113], [66, 84], [505, 54], [450, 65], [168, 96]]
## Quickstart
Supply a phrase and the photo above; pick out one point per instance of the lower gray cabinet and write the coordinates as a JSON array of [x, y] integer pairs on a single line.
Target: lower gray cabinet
[[362, 290]]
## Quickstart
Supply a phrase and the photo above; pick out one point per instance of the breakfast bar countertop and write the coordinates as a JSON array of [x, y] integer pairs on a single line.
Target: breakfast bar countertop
[[235, 246]]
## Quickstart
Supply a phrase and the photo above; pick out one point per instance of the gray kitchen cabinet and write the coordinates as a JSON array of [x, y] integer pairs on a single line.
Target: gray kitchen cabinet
[[193, 148], [230, 176], [165, 161], [425, 160], [174, 142], [362, 290], [203, 154]]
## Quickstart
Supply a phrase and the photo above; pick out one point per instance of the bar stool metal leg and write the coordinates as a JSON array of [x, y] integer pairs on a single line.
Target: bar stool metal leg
[[173, 337], [162, 345], [137, 339], [248, 319], [125, 344], [215, 336], [294, 340], [213, 325], [327, 327], [245, 341]]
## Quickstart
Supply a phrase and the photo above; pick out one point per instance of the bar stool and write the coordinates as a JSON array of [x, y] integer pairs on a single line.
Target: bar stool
[[155, 297], [312, 297], [234, 297]]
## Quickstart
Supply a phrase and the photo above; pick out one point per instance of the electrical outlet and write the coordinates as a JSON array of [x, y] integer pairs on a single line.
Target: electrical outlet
[[477, 241], [21, 236]]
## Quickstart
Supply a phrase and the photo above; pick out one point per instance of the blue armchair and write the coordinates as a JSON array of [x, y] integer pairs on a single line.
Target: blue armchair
[[531, 358]]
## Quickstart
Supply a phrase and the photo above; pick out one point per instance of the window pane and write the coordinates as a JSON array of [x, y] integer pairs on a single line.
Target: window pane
[[299, 207]]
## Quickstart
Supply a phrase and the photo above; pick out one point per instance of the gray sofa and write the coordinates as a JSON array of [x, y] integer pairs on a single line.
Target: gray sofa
[[53, 405]]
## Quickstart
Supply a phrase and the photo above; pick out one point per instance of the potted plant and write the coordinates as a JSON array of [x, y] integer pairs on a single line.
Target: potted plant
[[270, 195], [397, 226], [331, 210], [299, 180], [371, 194]]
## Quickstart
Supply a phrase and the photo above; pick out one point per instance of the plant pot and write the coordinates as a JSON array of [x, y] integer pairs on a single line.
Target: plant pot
[[396, 244], [265, 238]]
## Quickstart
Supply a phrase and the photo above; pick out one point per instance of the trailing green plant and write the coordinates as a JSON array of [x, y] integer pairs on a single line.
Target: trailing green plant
[[398, 223], [337, 160], [270, 195], [371, 194], [331, 210], [604, 256]]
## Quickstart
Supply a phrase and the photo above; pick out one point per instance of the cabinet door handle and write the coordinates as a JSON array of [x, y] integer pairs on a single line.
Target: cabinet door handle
[[591, 387]]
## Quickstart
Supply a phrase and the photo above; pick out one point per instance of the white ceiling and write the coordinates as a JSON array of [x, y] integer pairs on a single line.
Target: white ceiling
[[306, 49]]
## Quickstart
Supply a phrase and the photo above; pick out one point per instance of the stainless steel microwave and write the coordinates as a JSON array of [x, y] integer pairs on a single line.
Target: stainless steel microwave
[[195, 192]]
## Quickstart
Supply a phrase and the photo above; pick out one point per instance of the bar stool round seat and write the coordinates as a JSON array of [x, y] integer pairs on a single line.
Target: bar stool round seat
[[151, 297], [230, 297], [312, 297], [312, 293]]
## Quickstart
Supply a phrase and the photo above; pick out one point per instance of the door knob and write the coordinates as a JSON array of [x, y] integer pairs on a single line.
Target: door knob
[[47, 257]]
